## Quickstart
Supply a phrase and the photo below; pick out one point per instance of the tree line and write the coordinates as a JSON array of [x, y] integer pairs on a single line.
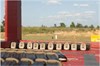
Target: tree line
[[62, 25], [78, 25]]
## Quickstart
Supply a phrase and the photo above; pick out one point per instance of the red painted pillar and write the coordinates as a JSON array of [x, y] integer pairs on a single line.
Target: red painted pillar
[[12, 21]]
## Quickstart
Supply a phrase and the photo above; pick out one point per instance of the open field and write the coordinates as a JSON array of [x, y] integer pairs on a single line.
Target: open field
[[62, 35], [69, 36]]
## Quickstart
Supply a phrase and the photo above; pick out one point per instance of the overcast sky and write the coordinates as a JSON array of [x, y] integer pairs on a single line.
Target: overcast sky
[[50, 12]]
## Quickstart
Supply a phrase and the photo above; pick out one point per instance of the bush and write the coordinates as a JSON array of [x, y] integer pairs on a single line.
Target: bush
[[2, 29]]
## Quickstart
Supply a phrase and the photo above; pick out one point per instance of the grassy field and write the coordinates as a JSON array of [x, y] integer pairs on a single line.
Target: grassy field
[[62, 33], [49, 37], [66, 37]]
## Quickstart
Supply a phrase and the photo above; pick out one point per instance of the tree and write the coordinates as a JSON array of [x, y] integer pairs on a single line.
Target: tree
[[55, 25], [98, 27], [42, 25], [72, 25], [79, 25], [91, 26], [62, 25], [85, 26], [2, 26], [3, 23]]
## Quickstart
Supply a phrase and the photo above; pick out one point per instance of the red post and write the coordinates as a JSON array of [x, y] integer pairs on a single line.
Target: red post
[[12, 21]]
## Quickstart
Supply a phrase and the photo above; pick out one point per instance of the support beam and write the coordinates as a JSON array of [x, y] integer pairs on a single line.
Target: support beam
[[12, 21]]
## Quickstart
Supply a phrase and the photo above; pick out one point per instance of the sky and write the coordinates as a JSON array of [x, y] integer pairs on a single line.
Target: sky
[[50, 12]]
